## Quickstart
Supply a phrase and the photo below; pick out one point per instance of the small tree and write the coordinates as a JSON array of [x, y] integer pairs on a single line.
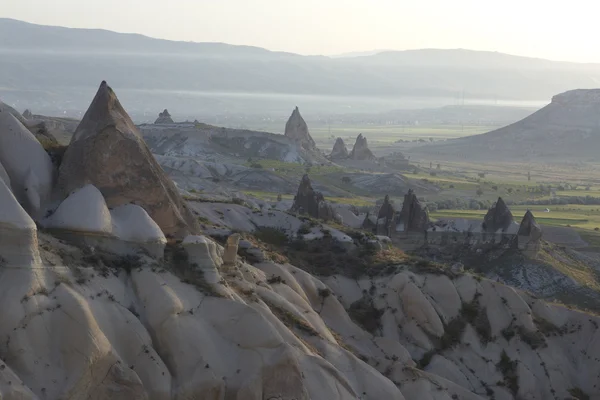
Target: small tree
[[346, 180], [481, 174], [509, 190], [495, 188], [479, 192]]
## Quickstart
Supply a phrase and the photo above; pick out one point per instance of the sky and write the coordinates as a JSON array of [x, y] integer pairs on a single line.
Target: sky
[[553, 29]]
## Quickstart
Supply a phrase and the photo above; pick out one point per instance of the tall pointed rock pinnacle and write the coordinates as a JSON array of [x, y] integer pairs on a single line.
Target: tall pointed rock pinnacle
[[498, 217], [339, 150], [108, 151], [361, 150], [297, 130]]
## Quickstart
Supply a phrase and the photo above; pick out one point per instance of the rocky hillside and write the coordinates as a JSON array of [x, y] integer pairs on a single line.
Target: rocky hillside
[[224, 144], [567, 129], [98, 304]]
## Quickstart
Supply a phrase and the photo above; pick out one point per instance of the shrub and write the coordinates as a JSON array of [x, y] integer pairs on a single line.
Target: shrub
[[274, 236], [364, 313]]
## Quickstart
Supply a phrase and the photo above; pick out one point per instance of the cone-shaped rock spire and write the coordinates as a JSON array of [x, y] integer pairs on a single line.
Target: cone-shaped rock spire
[[108, 152]]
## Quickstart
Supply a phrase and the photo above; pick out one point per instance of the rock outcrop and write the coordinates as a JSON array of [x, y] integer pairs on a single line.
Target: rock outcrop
[[26, 163], [18, 232], [529, 235], [108, 152], [27, 114], [386, 210], [164, 118], [339, 151], [4, 176], [5, 107], [368, 223], [386, 218], [297, 130], [310, 202], [361, 150], [498, 218], [413, 217], [83, 211]]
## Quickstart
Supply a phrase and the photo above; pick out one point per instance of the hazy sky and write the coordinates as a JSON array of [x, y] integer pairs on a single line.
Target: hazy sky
[[560, 30]]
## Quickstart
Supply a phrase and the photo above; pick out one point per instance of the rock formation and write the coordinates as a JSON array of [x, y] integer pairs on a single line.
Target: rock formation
[[530, 233], [164, 118], [27, 114], [4, 176], [361, 150], [5, 107], [83, 211], [368, 223], [26, 163], [108, 152], [413, 216], [498, 218], [339, 151], [310, 202], [231, 250], [18, 232], [387, 209], [386, 218], [297, 130]]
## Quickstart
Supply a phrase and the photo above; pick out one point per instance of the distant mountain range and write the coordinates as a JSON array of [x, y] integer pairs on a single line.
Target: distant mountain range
[[55, 61]]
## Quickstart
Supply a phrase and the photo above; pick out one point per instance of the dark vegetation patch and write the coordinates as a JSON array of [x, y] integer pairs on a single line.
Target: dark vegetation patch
[[291, 320], [327, 256], [508, 368], [107, 263], [177, 261], [366, 315], [579, 394]]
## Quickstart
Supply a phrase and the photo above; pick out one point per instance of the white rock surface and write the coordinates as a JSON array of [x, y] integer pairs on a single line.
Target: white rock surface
[[82, 211], [4, 176], [18, 232], [27, 164], [132, 223]]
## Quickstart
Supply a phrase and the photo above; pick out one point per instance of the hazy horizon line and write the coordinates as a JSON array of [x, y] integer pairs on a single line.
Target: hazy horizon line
[[345, 54]]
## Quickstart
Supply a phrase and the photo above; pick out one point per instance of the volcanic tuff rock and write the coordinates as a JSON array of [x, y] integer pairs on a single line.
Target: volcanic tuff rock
[[311, 202], [108, 152], [413, 216], [339, 150], [297, 130], [497, 218], [164, 118], [26, 163], [387, 209], [361, 151], [18, 236], [27, 114], [529, 230]]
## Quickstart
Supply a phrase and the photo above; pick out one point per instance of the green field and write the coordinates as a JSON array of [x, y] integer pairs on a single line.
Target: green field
[[392, 133]]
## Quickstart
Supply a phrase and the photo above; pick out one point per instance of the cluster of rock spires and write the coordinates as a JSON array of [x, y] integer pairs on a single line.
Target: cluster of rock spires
[[311, 202], [360, 151], [164, 118], [297, 130]]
